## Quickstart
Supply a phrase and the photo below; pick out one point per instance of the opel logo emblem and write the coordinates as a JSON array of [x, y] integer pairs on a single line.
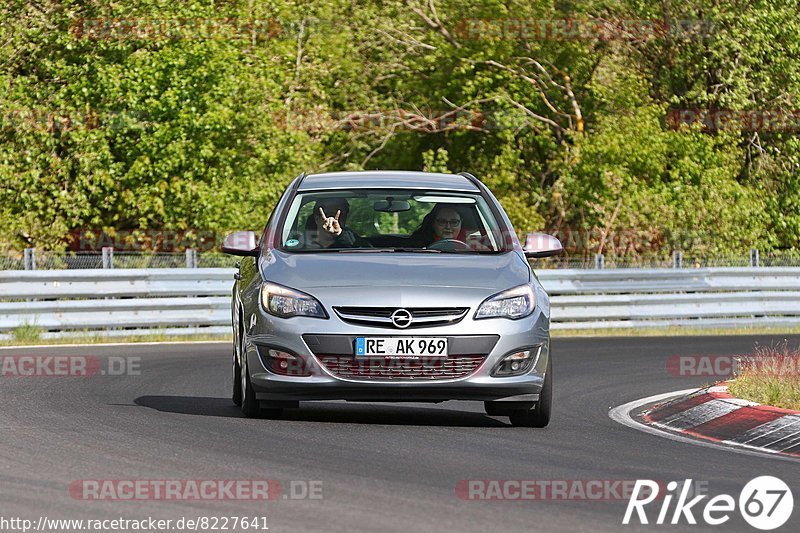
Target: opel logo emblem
[[402, 318]]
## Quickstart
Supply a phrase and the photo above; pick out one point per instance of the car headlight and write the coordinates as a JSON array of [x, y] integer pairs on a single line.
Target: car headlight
[[285, 302], [515, 303]]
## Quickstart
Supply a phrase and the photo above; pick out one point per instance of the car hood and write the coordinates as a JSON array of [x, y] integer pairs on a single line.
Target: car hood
[[394, 269]]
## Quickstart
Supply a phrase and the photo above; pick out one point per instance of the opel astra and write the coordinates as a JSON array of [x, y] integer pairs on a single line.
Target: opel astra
[[391, 286]]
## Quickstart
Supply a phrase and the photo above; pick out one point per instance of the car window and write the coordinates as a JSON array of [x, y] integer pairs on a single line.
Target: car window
[[391, 220]]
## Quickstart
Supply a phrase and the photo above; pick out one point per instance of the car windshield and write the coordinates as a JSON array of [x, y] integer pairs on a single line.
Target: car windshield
[[397, 220]]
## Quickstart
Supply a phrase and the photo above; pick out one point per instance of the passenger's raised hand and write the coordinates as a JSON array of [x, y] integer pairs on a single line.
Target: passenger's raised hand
[[331, 224]]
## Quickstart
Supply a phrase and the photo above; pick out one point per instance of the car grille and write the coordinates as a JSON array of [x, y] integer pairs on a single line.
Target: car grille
[[390, 369], [422, 317]]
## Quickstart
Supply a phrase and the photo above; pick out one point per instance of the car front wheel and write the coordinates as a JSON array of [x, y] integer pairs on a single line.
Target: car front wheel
[[539, 415], [236, 393], [250, 406]]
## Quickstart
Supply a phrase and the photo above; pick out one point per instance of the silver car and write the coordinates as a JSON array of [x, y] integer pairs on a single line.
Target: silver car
[[391, 286]]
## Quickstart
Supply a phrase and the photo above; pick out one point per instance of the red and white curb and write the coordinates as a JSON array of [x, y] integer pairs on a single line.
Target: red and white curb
[[713, 414]]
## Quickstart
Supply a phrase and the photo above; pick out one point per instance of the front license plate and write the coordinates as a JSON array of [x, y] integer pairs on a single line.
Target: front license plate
[[401, 347]]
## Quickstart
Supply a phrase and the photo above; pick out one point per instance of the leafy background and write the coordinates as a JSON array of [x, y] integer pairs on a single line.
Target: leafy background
[[128, 132]]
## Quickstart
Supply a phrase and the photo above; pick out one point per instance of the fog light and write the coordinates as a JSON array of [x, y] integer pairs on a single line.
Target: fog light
[[516, 363], [285, 363]]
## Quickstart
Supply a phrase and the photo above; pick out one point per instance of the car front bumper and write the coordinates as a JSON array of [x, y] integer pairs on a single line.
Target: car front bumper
[[292, 335]]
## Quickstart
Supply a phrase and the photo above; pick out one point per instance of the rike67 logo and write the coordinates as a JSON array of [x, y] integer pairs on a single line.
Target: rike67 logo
[[765, 503]]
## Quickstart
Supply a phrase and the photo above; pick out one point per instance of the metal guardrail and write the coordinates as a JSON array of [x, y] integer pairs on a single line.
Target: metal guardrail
[[62, 303], [705, 297], [197, 300], [108, 258]]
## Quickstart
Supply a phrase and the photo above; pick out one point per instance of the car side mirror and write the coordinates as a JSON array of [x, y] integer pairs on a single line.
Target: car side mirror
[[241, 243], [541, 245]]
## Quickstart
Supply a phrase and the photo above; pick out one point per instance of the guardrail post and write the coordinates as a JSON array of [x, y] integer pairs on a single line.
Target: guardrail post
[[754, 258], [30, 259], [191, 258], [108, 257], [677, 259], [599, 261]]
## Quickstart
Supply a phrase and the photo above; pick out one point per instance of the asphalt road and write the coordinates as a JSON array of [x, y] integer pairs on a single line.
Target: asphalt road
[[383, 467]]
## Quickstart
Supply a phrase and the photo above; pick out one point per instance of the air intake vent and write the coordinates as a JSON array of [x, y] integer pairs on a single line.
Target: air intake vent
[[401, 318], [386, 369]]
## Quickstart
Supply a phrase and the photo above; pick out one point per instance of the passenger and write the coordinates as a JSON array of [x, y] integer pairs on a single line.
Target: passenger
[[326, 227]]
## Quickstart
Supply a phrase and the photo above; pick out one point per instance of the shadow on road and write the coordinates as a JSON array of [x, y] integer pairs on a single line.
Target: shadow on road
[[336, 413]]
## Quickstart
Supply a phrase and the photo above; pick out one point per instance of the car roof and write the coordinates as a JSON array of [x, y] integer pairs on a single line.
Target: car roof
[[381, 179]]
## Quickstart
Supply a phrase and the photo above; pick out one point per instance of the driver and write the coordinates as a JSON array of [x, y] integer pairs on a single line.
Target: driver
[[443, 222]]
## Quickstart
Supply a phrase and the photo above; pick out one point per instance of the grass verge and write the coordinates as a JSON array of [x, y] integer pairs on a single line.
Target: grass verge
[[770, 376], [674, 331], [31, 334], [100, 339], [26, 334]]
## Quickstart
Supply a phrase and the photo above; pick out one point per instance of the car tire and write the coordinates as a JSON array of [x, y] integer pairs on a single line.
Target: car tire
[[236, 393], [539, 415], [249, 406]]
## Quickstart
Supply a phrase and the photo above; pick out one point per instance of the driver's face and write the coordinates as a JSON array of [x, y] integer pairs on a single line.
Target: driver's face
[[447, 223]]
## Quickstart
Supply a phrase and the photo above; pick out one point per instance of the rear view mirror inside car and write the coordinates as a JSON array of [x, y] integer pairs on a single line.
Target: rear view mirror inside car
[[390, 205]]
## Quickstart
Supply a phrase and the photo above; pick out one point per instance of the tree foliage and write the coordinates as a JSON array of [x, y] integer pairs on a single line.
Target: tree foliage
[[127, 130]]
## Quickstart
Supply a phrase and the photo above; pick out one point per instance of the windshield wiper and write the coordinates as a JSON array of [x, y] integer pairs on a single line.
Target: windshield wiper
[[421, 250], [399, 250], [412, 250]]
